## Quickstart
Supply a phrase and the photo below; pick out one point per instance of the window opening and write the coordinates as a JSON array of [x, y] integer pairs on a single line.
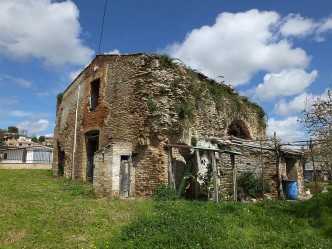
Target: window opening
[[124, 158], [94, 94]]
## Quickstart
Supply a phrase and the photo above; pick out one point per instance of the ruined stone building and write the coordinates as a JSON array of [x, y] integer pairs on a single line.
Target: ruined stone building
[[117, 117]]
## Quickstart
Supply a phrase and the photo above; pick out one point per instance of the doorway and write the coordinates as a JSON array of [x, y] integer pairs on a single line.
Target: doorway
[[61, 160], [92, 146], [125, 176]]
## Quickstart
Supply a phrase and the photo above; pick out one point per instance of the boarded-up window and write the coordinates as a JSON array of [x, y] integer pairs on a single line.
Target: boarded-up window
[[94, 94]]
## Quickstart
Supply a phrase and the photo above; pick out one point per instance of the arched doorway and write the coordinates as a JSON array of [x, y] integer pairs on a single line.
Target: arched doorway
[[238, 129]]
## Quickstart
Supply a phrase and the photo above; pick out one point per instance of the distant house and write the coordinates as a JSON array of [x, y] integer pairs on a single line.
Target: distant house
[[41, 154], [321, 173], [48, 141], [19, 143]]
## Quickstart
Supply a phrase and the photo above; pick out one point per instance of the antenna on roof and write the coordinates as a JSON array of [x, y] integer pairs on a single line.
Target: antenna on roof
[[102, 27]]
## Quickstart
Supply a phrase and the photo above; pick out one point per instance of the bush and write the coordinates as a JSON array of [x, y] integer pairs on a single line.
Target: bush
[[250, 185], [185, 110], [193, 141], [166, 61], [164, 193], [59, 98], [152, 105]]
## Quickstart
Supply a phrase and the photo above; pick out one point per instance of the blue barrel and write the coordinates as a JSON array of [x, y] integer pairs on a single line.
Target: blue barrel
[[290, 189]]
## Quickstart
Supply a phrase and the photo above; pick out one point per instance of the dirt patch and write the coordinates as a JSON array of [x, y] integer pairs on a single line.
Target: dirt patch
[[14, 237]]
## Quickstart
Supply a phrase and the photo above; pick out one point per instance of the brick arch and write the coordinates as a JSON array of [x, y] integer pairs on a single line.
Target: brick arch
[[238, 129]]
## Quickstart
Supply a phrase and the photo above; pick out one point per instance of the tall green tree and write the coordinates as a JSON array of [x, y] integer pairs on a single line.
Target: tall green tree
[[12, 129], [41, 139]]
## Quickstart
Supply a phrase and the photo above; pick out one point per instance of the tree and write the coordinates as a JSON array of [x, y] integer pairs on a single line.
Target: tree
[[2, 134], [317, 117], [41, 139], [34, 139], [12, 129]]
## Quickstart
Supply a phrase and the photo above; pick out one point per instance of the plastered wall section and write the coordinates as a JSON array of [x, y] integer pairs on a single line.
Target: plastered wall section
[[107, 169]]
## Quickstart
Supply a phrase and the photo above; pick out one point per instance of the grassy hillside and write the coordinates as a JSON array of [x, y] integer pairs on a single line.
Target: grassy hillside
[[38, 211]]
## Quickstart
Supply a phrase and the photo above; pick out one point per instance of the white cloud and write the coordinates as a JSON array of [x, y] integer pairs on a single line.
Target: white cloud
[[42, 29], [44, 94], [297, 25], [74, 74], [296, 105], [34, 127], [239, 45], [325, 26], [285, 83], [9, 100], [289, 129], [7, 79], [114, 51], [19, 114]]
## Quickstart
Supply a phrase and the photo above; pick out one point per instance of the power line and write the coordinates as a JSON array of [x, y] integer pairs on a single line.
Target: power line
[[102, 27]]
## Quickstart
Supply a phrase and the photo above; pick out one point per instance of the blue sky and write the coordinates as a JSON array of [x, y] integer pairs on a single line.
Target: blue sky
[[275, 52]]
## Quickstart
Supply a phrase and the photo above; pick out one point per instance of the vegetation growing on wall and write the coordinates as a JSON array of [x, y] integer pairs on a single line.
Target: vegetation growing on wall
[[194, 92], [152, 105], [185, 110], [59, 99], [166, 61], [221, 93], [162, 90], [193, 141]]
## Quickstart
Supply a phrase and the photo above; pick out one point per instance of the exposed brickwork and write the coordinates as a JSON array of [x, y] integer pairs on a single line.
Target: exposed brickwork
[[146, 104]]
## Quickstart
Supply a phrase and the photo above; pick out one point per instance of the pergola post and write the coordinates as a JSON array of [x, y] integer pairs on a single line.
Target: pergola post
[[171, 181], [214, 174], [234, 177]]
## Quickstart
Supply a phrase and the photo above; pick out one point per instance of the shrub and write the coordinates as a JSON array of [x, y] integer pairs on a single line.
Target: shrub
[[166, 61], [152, 105], [162, 90], [59, 99], [164, 193], [193, 141], [185, 110], [252, 186]]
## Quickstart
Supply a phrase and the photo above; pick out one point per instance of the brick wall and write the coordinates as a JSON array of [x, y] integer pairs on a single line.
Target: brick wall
[[149, 105]]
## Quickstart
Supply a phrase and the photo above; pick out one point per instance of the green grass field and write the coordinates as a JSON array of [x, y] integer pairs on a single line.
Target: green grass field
[[39, 211]]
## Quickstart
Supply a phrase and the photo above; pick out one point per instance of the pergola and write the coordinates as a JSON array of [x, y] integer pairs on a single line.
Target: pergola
[[211, 154]]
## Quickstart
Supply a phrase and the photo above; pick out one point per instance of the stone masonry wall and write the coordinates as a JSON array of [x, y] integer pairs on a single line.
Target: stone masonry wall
[[252, 160], [148, 102]]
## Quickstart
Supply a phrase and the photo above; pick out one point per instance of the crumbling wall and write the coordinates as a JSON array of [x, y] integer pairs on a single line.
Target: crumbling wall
[[65, 126], [147, 101], [252, 160], [260, 161]]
